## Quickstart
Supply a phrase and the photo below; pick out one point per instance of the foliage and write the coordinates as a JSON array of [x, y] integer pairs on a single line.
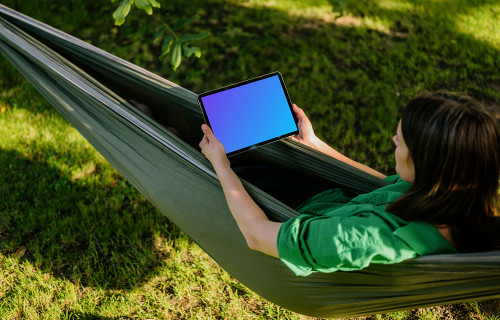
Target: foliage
[[338, 7], [125, 5], [181, 44]]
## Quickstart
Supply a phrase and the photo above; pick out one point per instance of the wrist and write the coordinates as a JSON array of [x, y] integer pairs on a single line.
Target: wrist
[[221, 163], [314, 142]]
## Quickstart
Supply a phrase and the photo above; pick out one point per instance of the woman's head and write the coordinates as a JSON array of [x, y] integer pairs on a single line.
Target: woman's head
[[453, 146], [452, 140]]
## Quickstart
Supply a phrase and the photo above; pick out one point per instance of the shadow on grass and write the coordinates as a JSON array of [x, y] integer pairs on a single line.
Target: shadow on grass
[[76, 315], [344, 74], [440, 31], [79, 228]]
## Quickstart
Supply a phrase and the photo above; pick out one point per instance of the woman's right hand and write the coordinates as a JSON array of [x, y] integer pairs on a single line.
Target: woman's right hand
[[212, 148], [306, 133]]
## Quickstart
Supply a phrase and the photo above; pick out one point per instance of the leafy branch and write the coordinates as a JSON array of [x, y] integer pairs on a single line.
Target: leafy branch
[[171, 38], [339, 7]]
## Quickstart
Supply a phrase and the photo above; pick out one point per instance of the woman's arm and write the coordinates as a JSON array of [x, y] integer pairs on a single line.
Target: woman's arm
[[308, 137], [260, 233]]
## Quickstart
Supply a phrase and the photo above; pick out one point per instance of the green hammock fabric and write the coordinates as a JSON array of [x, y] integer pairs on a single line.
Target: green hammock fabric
[[90, 88]]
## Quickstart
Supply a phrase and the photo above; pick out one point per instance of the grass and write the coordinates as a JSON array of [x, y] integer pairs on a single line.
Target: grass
[[96, 249]]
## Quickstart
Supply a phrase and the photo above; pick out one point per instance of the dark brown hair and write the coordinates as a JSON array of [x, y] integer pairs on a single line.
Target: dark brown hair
[[454, 144]]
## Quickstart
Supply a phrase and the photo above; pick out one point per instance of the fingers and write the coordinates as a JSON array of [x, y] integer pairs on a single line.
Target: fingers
[[203, 141], [301, 117], [299, 112], [210, 146], [208, 136], [296, 108], [206, 130]]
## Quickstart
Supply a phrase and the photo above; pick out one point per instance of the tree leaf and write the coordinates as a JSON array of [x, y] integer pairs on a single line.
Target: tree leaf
[[176, 56], [144, 5], [154, 3], [194, 37], [121, 12], [167, 44], [159, 34], [339, 6], [184, 22], [189, 51]]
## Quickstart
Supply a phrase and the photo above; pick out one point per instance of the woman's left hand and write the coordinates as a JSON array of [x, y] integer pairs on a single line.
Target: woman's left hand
[[212, 148]]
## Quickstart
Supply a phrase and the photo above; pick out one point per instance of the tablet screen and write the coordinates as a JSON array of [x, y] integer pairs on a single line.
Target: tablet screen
[[250, 113]]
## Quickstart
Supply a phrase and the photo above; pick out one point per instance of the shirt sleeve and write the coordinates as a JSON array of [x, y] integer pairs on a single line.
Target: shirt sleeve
[[393, 179], [310, 243]]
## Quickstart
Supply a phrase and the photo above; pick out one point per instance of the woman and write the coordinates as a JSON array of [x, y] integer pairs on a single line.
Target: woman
[[441, 201]]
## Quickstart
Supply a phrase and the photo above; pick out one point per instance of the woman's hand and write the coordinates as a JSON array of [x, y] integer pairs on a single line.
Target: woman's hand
[[212, 148], [306, 136], [306, 133]]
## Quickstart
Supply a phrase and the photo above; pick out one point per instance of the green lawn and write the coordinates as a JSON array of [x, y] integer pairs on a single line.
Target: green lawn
[[78, 242]]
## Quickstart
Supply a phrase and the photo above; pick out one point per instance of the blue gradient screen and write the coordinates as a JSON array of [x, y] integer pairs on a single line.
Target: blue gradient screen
[[250, 114]]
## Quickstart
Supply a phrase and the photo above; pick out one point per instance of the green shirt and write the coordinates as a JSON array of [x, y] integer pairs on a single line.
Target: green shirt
[[337, 232]]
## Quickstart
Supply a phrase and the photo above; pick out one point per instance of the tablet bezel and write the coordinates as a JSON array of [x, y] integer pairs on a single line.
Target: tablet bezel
[[242, 83]]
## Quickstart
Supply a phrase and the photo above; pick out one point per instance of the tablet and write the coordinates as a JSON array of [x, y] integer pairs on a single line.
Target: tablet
[[249, 114]]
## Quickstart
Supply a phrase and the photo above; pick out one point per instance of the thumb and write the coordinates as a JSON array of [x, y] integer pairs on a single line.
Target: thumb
[[298, 111], [207, 131]]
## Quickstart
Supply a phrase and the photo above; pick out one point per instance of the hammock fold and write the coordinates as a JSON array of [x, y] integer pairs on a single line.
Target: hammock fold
[[91, 87]]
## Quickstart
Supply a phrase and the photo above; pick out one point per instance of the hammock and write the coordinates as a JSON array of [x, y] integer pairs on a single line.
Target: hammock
[[90, 88]]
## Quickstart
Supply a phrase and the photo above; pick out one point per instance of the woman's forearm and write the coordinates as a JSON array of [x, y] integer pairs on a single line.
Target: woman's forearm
[[323, 147], [260, 233], [308, 137]]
